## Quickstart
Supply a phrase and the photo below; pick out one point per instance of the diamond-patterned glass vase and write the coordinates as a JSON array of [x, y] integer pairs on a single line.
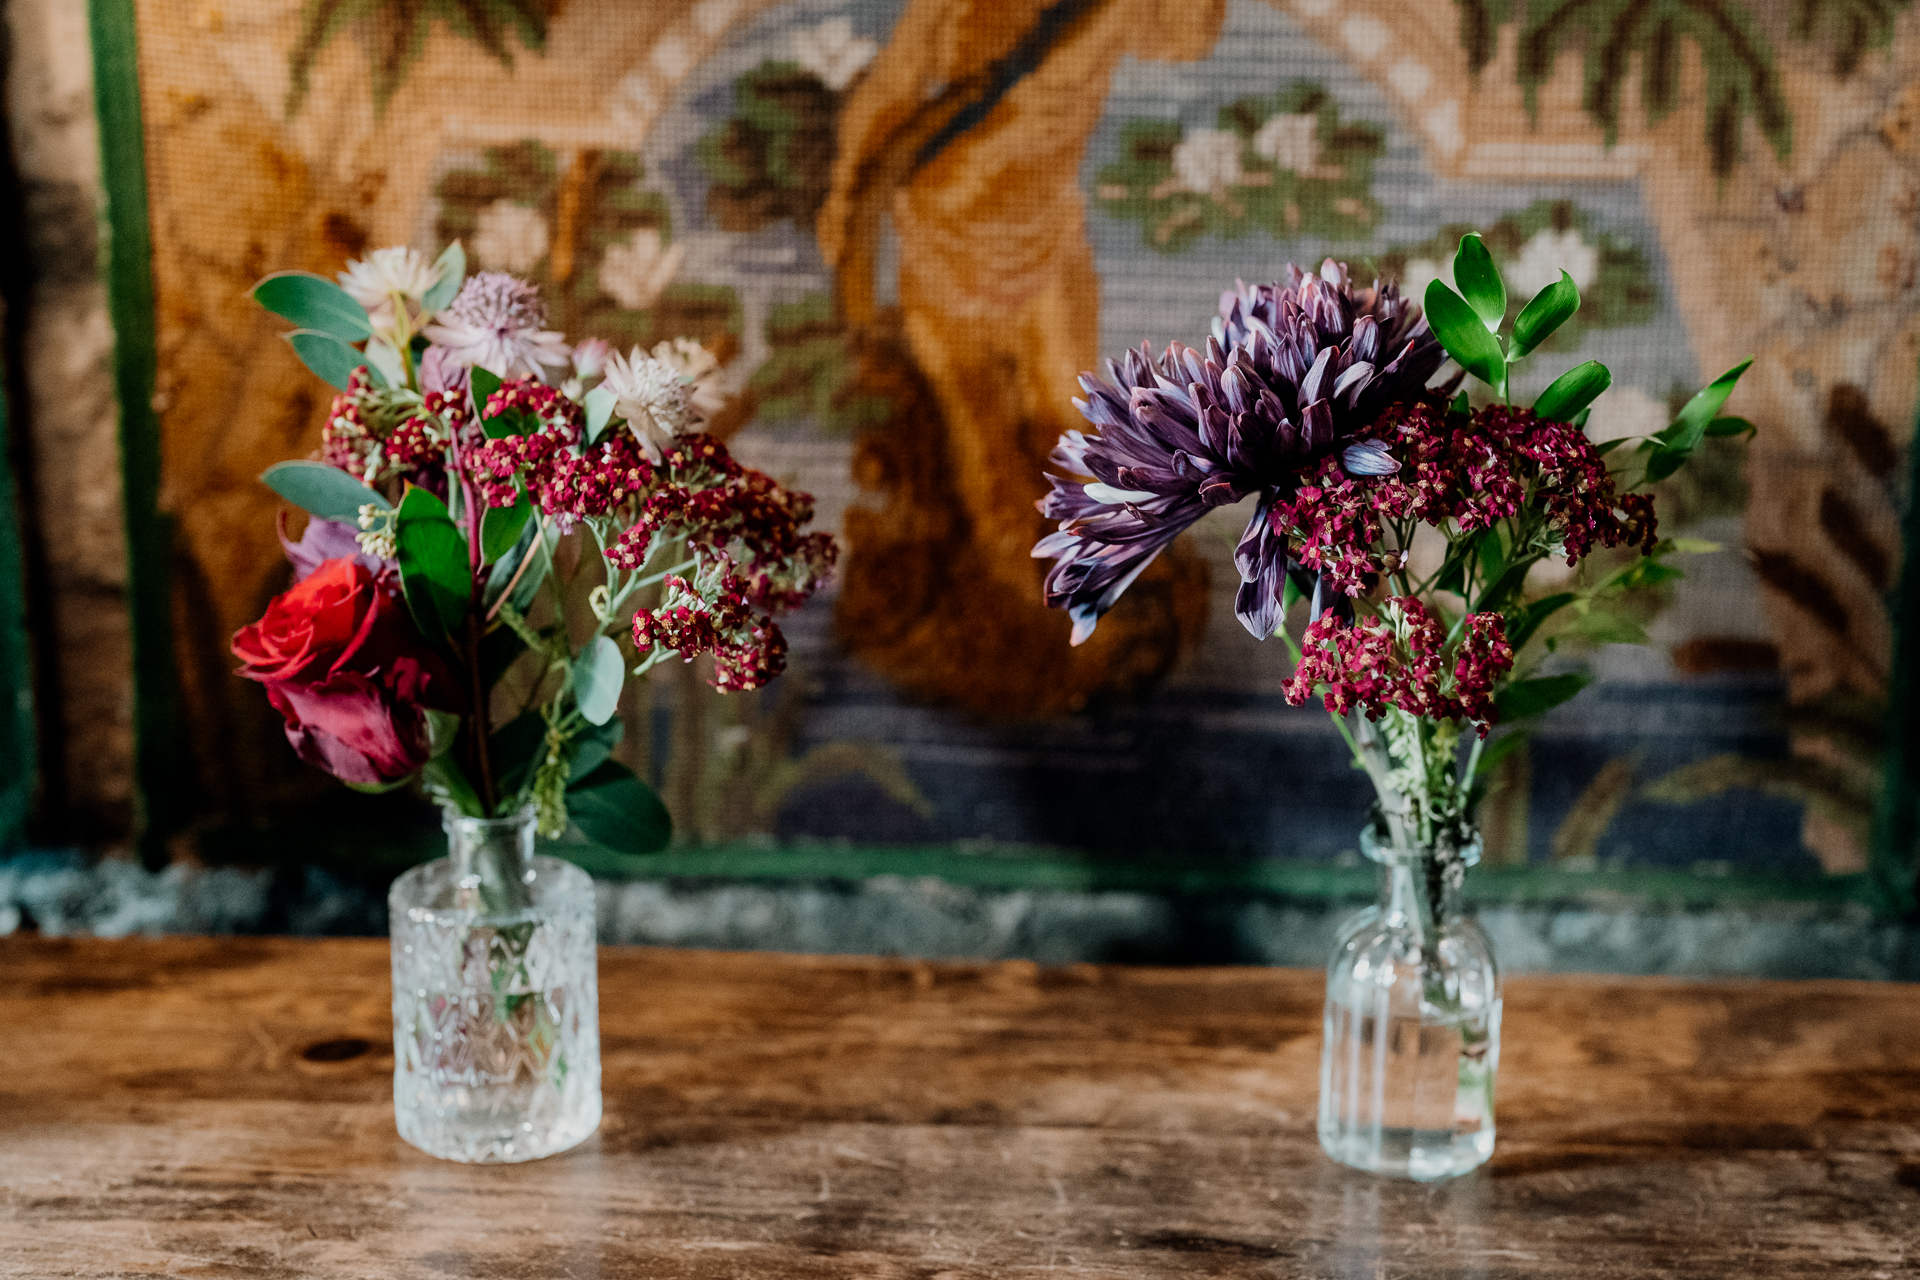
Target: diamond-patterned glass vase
[[496, 1022]]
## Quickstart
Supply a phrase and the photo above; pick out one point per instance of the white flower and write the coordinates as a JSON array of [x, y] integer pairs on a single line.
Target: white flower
[[510, 237], [1544, 256], [590, 357], [495, 324], [1421, 272], [832, 52], [1290, 142], [372, 281], [649, 395], [633, 274], [1208, 160], [699, 371]]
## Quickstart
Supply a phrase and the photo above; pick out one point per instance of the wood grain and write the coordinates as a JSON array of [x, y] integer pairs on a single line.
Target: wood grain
[[221, 1108]]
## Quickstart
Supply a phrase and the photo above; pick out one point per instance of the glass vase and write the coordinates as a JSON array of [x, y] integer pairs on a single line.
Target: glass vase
[[496, 1021], [1412, 1024]]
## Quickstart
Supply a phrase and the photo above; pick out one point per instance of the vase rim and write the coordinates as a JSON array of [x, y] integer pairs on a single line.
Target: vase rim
[[451, 821]]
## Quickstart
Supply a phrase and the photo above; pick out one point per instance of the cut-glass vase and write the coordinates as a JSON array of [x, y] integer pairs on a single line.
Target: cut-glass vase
[[496, 1022], [1412, 1024]]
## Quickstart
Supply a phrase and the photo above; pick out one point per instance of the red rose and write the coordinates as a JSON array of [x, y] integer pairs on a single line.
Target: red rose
[[342, 662]]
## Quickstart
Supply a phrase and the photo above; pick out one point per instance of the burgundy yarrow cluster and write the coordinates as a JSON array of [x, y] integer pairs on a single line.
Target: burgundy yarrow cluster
[[741, 527], [1471, 471], [374, 444], [1396, 660]]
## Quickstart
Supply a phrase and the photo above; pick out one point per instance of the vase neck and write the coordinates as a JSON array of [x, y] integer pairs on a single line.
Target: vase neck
[[1422, 882], [492, 860]]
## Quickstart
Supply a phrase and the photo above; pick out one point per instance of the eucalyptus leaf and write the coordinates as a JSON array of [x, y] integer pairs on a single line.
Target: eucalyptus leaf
[[617, 811], [451, 269], [592, 746], [315, 303], [331, 360], [501, 527], [1573, 391], [1466, 339], [1552, 307], [507, 568], [322, 490], [385, 363], [599, 405], [434, 573], [1479, 281], [1691, 424], [598, 674], [1524, 698]]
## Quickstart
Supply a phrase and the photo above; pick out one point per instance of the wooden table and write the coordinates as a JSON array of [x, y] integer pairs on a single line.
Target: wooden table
[[221, 1107]]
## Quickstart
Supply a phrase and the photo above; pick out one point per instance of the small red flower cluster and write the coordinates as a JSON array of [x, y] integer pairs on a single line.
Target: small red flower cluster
[[1396, 660], [1470, 471], [412, 447], [748, 647], [563, 478]]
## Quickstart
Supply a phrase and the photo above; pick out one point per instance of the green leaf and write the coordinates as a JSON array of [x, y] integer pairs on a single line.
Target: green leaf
[[1573, 391], [1601, 627], [514, 748], [434, 574], [1606, 447], [1461, 404], [313, 303], [1528, 621], [1721, 427], [1453, 570], [1465, 338], [322, 490], [507, 569], [514, 422], [1290, 593], [331, 360], [598, 673], [599, 404], [1493, 597], [500, 648], [447, 786], [443, 727], [618, 811], [482, 383], [1479, 281], [1695, 546], [1550, 308], [592, 746], [1665, 461], [501, 527], [1524, 698], [1499, 749], [1694, 418], [452, 268]]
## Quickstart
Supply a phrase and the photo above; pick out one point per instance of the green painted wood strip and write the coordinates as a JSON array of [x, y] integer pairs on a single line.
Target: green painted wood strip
[[159, 757], [18, 747], [1895, 856]]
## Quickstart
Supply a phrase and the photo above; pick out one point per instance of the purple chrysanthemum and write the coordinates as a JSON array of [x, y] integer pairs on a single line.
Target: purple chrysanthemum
[[1293, 371]]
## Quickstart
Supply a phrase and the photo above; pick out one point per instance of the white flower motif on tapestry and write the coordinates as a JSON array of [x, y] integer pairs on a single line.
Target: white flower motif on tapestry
[[1208, 161], [510, 237], [1421, 272], [832, 52], [1290, 142], [649, 394], [634, 273], [373, 281], [1544, 256], [699, 371]]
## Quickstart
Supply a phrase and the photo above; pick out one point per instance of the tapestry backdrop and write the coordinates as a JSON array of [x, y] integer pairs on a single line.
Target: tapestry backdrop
[[906, 225]]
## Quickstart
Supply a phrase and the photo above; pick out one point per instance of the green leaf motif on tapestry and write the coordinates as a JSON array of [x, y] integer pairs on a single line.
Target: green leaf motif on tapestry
[[322, 490], [598, 674], [1465, 337], [1571, 392], [394, 35], [1479, 282], [1524, 698], [434, 573], [618, 811], [312, 302], [1552, 307], [331, 360], [501, 527]]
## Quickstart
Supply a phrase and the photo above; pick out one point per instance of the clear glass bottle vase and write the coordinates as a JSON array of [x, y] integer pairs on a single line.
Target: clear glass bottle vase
[[496, 1021], [1412, 1024]]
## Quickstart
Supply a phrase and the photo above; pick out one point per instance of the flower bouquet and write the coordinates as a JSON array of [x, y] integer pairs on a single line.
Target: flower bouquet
[[448, 629], [1414, 528]]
